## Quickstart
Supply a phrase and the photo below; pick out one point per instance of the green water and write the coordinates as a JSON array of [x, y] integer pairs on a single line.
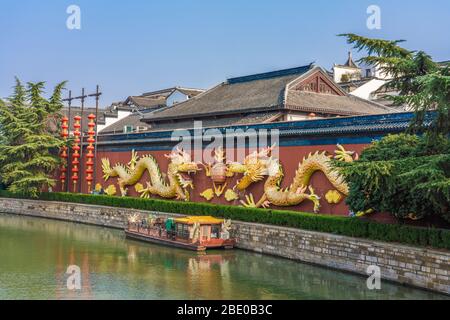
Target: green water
[[35, 254]]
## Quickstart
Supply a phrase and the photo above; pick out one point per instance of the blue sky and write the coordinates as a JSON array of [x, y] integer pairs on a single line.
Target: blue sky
[[134, 46]]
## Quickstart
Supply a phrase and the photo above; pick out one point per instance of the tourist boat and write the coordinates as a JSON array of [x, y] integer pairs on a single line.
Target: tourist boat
[[196, 233]]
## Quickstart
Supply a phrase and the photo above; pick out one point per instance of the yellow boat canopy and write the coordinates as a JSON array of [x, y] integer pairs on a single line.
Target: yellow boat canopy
[[199, 219]]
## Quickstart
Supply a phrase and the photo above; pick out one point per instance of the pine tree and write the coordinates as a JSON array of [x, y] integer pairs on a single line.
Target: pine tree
[[407, 175], [29, 138], [422, 84]]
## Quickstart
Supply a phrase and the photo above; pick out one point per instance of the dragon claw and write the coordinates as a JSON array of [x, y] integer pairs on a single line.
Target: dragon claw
[[314, 198], [250, 201], [343, 155], [266, 204]]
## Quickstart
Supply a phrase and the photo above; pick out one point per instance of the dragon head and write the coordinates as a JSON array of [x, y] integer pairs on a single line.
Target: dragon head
[[254, 168], [182, 166]]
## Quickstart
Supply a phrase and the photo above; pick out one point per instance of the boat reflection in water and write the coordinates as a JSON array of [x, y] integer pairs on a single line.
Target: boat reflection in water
[[35, 254]]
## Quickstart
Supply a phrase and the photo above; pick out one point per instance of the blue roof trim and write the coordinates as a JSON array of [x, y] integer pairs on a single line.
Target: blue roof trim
[[273, 74], [386, 123], [351, 130], [283, 143]]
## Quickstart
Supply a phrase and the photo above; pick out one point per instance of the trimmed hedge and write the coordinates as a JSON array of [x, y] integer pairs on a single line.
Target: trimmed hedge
[[352, 227]]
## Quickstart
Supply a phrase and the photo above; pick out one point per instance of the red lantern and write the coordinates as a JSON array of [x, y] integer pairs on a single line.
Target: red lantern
[[63, 153], [90, 152], [76, 151]]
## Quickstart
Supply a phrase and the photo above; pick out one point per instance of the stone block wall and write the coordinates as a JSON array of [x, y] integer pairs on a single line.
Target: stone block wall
[[419, 267]]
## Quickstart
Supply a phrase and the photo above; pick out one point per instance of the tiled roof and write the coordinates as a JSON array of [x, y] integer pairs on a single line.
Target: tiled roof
[[349, 63], [364, 125], [266, 92], [191, 92], [260, 92], [142, 102], [333, 104], [135, 120]]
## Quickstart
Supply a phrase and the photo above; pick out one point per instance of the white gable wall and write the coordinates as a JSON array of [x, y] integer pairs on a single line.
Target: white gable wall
[[338, 72], [365, 91], [176, 97], [110, 120]]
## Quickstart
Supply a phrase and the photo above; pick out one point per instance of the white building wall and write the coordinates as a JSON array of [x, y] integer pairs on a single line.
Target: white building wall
[[365, 91], [374, 72], [338, 72], [110, 120], [298, 117], [176, 97]]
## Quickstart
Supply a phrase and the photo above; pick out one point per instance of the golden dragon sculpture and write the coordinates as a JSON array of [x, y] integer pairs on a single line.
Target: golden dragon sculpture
[[260, 164], [179, 168]]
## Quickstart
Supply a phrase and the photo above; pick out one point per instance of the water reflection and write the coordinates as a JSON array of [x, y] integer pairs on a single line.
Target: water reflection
[[35, 254]]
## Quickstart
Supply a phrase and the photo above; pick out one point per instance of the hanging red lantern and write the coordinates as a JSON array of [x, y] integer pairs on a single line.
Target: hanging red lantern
[[90, 152], [76, 151], [63, 153]]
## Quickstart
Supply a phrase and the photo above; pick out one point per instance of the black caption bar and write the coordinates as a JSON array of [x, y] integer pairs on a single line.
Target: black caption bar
[[201, 309]]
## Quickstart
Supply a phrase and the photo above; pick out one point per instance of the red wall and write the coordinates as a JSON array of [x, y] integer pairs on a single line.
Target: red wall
[[290, 159]]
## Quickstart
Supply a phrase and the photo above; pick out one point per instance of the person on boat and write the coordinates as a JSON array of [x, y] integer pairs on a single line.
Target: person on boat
[[170, 227]]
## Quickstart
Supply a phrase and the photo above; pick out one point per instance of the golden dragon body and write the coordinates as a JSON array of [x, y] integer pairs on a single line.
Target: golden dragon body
[[258, 165], [175, 186]]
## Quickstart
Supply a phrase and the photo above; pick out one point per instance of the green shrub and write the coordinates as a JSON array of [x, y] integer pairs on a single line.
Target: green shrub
[[401, 174], [352, 227]]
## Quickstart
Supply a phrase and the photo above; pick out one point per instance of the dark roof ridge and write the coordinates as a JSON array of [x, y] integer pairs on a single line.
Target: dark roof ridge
[[150, 93], [187, 88], [171, 89], [210, 114], [205, 92], [271, 74]]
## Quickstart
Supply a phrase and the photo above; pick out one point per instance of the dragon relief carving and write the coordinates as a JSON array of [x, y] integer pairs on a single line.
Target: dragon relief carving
[[174, 184], [258, 165], [218, 171]]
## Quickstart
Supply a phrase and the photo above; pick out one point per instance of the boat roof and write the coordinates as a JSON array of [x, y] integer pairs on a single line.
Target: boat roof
[[199, 219]]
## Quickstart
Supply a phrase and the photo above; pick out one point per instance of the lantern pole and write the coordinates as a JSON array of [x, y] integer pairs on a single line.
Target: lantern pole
[[90, 152], [64, 154], [79, 136], [97, 95], [76, 155]]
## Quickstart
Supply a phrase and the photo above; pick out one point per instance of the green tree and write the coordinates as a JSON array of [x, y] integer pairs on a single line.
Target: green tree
[[422, 84], [30, 142], [407, 175], [401, 175]]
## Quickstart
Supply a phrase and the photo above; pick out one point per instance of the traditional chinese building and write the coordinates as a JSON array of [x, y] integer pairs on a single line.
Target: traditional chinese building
[[125, 116], [315, 120], [367, 82], [301, 93]]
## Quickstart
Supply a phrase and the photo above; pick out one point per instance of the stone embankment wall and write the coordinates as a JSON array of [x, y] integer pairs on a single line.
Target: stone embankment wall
[[419, 267]]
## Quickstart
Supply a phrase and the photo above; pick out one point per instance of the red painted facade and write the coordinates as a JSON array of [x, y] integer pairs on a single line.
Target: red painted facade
[[297, 140], [290, 157]]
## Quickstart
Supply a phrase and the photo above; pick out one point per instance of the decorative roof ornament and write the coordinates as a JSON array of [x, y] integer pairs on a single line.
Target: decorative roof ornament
[[350, 63]]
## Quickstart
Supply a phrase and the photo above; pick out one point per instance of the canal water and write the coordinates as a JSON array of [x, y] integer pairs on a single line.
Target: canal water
[[35, 254]]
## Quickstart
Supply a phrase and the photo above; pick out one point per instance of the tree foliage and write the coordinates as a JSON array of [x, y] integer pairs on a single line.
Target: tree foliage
[[407, 175], [421, 83], [401, 174], [29, 138]]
